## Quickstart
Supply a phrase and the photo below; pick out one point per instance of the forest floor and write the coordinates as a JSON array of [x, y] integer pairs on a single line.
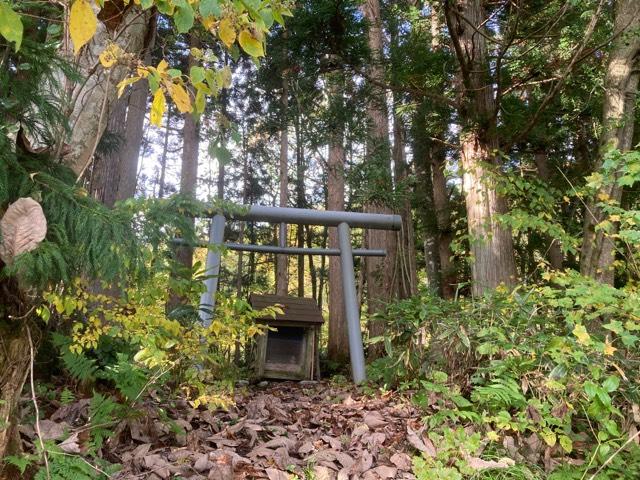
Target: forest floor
[[275, 430]]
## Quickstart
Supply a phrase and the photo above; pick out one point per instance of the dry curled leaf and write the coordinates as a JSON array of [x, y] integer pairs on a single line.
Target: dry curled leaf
[[478, 463], [23, 227]]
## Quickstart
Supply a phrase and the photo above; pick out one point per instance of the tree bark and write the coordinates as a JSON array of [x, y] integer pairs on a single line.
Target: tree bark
[[621, 88], [134, 132], [103, 178], [14, 368], [338, 339], [492, 254], [300, 197], [188, 182], [381, 275], [312, 267], [163, 158], [408, 278], [554, 251], [441, 203], [14, 361], [282, 263], [90, 100]]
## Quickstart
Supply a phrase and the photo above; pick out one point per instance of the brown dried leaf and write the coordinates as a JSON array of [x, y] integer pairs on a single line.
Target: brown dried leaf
[[478, 463], [402, 461], [422, 444], [274, 474], [23, 227], [51, 430], [374, 420], [71, 445]]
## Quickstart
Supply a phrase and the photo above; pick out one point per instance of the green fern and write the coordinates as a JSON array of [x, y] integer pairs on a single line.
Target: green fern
[[21, 462], [501, 394], [127, 377], [67, 397], [79, 366], [103, 412], [63, 466]]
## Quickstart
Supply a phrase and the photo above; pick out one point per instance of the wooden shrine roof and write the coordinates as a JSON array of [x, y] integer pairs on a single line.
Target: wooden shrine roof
[[295, 309]]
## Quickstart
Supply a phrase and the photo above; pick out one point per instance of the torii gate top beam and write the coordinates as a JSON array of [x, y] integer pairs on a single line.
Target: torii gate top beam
[[303, 216]]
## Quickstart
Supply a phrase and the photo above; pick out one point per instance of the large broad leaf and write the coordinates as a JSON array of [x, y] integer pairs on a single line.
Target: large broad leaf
[[184, 16], [82, 24], [23, 227], [227, 32], [180, 98], [210, 8], [250, 44], [10, 24]]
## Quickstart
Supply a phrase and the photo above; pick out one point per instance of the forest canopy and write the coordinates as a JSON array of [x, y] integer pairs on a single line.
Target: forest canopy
[[500, 326]]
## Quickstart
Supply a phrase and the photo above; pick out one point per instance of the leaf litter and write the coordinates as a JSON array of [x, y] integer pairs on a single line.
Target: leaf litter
[[277, 431]]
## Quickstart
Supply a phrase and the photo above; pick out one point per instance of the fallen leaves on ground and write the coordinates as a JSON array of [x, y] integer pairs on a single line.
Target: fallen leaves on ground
[[280, 431]]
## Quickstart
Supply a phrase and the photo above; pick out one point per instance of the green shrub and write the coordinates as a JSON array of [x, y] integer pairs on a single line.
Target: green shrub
[[557, 361]]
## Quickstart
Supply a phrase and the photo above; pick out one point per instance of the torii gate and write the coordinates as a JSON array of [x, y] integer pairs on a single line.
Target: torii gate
[[344, 221]]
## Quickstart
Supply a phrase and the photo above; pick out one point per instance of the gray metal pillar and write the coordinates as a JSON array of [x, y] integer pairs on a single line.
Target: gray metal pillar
[[352, 311], [212, 269]]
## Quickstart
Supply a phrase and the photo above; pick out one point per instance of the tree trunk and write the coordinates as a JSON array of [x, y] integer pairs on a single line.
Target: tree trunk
[[493, 261], [621, 88], [282, 261], [423, 150], [441, 203], [134, 132], [553, 252], [408, 278], [103, 178], [312, 268], [163, 158], [189, 168], [14, 368], [338, 339], [240, 269], [189, 174], [323, 262], [380, 272], [90, 100], [300, 198], [492, 254], [188, 182], [14, 361]]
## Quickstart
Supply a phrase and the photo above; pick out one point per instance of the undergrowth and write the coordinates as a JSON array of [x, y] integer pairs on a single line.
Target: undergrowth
[[546, 376]]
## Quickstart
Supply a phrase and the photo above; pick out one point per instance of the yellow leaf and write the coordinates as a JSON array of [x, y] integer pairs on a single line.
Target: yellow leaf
[[250, 44], [109, 56], [142, 72], [227, 32], [603, 196], [157, 108], [82, 24], [614, 218], [609, 349], [123, 84], [581, 334], [180, 97], [208, 22], [162, 66]]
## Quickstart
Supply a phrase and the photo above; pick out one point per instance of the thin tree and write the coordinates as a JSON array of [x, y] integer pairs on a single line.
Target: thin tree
[[621, 89], [380, 272]]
